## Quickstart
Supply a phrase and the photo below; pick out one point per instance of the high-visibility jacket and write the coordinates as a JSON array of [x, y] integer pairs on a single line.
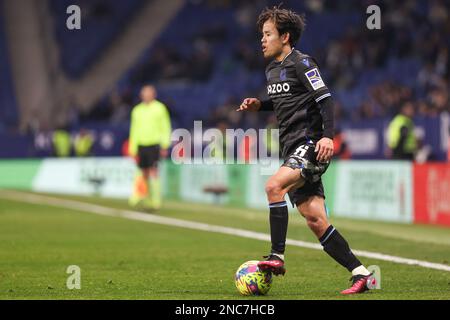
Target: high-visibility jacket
[[61, 143], [83, 145], [150, 125], [394, 129]]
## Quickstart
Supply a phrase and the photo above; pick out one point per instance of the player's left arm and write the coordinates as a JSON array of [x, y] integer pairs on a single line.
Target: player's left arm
[[309, 74], [324, 146]]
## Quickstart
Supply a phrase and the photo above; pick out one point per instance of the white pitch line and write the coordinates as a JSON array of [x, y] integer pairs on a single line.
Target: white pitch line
[[134, 215]]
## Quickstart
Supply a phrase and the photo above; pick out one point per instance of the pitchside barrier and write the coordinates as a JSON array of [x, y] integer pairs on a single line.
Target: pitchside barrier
[[393, 191]]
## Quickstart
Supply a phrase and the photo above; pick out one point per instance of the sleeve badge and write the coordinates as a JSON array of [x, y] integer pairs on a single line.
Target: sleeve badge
[[315, 79]]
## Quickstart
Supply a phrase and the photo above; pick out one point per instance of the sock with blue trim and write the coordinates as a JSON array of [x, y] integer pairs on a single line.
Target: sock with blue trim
[[337, 248], [278, 225]]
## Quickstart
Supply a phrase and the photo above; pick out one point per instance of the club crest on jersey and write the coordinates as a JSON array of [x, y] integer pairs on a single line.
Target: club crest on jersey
[[283, 76], [315, 79]]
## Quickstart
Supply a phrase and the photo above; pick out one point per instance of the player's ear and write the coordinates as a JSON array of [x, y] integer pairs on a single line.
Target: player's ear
[[285, 37]]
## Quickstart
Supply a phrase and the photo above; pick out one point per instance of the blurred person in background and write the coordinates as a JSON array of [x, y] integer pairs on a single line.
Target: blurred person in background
[[120, 108], [83, 143], [61, 143], [341, 149], [402, 141], [149, 140]]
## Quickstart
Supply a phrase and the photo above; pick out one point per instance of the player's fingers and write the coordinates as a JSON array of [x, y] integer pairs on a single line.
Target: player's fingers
[[320, 151], [243, 106], [329, 154], [326, 155]]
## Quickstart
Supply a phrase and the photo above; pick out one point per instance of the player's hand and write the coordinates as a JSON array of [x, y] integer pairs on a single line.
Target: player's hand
[[250, 104], [164, 153], [324, 149]]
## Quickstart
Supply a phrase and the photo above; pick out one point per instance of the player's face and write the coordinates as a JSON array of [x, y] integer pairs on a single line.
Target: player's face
[[148, 94], [408, 110], [272, 42]]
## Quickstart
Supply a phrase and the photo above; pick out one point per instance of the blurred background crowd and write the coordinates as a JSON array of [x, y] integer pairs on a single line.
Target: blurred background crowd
[[206, 58]]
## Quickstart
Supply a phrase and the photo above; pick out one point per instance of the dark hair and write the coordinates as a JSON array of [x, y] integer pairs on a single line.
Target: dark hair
[[286, 21]]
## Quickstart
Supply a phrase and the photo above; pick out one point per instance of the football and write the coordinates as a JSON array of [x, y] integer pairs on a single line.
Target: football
[[250, 281]]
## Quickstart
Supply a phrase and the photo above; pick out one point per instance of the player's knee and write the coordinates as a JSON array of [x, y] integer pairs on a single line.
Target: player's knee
[[153, 173], [146, 173], [273, 189]]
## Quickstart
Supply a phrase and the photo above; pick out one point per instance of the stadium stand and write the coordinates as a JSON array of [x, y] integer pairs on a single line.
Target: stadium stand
[[102, 22], [201, 72], [8, 107]]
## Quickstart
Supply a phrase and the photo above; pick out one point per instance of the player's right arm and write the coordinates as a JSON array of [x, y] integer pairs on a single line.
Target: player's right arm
[[254, 104]]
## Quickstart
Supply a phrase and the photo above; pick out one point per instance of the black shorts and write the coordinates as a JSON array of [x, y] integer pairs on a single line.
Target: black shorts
[[148, 156], [304, 158]]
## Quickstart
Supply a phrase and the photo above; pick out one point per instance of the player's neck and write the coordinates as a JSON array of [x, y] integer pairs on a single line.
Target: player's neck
[[284, 53]]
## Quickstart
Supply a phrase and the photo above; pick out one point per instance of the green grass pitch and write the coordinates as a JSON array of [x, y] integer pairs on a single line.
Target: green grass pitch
[[126, 259]]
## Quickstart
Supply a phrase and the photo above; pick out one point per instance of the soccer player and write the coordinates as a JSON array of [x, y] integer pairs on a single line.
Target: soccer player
[[304, 109], [149, 140]]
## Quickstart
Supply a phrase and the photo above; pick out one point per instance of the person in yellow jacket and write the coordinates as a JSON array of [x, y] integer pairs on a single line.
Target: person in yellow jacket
[[401, 138], [61, 143], [83, 143], [150, 131]]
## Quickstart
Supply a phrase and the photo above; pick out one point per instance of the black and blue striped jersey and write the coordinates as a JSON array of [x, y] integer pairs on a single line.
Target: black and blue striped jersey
[[295, 87]]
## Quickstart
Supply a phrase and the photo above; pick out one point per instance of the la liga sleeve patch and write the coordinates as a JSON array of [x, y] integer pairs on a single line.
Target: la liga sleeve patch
[[315, 79]]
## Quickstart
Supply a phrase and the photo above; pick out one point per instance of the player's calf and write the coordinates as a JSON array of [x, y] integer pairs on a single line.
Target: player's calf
[[278, 229], [317, 224]]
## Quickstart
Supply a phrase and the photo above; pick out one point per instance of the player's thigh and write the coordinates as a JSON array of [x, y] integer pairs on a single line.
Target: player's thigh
[[285, 179]]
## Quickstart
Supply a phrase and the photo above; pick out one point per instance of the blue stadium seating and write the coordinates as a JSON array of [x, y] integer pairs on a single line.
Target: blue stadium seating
[[229, 78], [8, 106], [197, 101], [102, 21]]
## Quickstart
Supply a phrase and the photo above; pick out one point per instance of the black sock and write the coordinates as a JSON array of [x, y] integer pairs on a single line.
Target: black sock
[[337, 247], [278, 225]]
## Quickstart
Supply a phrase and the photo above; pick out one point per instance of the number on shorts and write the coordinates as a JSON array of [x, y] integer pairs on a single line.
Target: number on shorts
[[301, 151]]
